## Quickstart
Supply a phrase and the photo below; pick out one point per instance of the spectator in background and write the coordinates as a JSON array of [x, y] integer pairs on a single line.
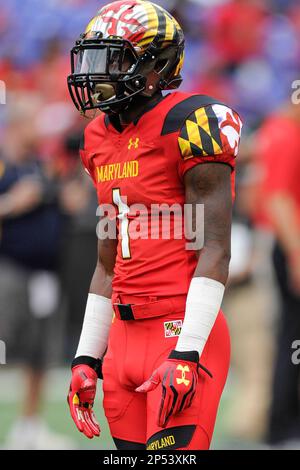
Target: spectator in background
[[31, 225], [279, 156], [48, 76], [247, 304], [78, 200], [236, 28]]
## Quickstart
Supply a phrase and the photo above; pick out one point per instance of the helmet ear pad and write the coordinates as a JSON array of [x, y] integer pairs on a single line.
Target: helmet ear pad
[[158, 71]]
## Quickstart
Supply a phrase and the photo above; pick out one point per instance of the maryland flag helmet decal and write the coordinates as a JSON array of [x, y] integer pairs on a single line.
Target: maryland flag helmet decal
[[138, 21]]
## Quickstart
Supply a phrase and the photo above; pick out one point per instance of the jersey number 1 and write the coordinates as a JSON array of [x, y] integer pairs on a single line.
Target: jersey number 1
[[123, 223]]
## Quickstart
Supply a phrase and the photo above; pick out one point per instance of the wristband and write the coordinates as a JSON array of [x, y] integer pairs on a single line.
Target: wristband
[[95, 364], [190, 356]]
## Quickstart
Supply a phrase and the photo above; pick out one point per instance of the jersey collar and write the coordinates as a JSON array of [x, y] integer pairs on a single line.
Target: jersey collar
[[115, 122]]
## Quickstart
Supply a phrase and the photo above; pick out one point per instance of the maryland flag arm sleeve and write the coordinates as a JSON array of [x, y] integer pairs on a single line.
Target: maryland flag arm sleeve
[[210, 134]]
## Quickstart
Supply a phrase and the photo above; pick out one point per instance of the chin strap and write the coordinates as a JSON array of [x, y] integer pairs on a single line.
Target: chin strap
[[116, 106]]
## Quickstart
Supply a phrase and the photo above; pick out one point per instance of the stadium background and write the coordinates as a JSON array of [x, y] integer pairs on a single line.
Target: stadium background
[[245, 52]]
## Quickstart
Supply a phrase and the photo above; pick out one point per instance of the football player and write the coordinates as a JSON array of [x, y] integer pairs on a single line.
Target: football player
[[153, 328]]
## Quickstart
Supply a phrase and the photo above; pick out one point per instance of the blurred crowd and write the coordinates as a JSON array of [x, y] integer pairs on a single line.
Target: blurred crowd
[[247, 54]]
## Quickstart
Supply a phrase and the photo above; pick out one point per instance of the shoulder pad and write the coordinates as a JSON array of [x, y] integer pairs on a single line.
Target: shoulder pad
[[177, 116]]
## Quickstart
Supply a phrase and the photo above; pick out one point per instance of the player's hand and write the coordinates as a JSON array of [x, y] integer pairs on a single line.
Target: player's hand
[[81, 400], [178, 377]]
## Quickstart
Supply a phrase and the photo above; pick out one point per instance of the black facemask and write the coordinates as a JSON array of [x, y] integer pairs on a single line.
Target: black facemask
[[104, 74], [107, 74]]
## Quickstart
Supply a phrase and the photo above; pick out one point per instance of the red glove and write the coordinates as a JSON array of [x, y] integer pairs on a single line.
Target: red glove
[[178, 376], [81, 399]]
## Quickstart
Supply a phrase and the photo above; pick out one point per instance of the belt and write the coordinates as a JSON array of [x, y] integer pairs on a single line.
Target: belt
[[157, 308]]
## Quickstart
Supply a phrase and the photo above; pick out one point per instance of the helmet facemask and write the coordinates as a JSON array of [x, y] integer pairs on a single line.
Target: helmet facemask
[[107, 74], [100, 70]]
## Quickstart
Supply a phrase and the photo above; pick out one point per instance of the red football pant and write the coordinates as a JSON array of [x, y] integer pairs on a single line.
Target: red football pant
[[136, 348]]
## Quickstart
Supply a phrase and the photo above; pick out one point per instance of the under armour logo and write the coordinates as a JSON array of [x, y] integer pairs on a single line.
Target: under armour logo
[[133, 143], [183, 370]]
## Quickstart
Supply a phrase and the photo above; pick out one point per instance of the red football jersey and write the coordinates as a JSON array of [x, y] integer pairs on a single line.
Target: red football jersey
[[144, 165]]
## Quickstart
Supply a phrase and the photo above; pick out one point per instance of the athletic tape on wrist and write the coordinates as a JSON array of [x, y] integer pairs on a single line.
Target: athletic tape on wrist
[[202, 307], [96, 326]]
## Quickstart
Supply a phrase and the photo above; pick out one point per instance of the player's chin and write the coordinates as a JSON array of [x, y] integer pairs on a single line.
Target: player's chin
[[97, 101], [103, 93]]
